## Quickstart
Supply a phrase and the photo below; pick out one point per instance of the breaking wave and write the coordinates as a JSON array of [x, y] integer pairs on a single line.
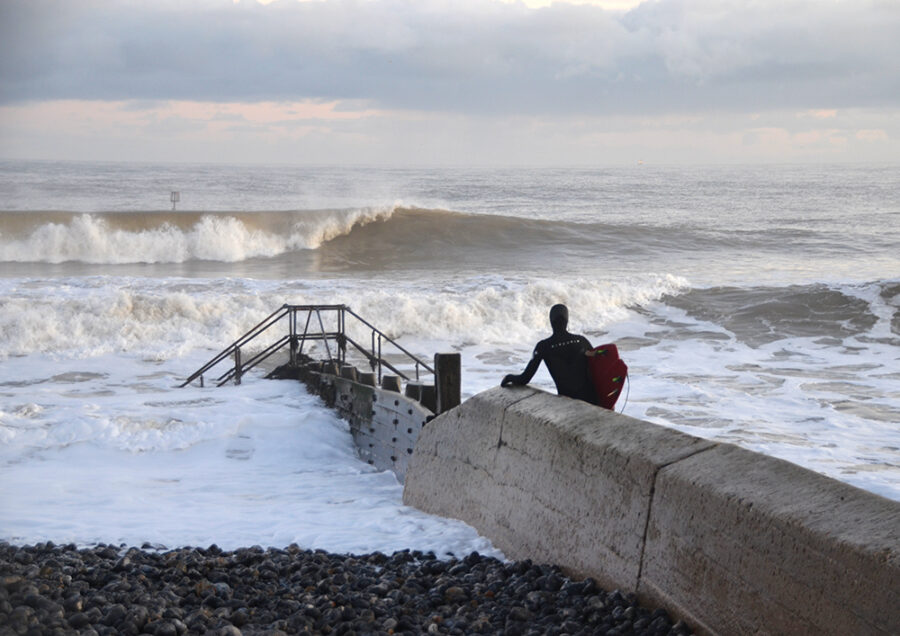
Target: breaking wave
[[365, 235], [171, 237]]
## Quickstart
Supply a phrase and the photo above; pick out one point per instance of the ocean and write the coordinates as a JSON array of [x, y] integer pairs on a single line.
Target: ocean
[[754, 305]]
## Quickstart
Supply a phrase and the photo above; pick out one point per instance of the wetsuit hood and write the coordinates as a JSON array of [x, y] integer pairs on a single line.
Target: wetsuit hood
[[559, 318]]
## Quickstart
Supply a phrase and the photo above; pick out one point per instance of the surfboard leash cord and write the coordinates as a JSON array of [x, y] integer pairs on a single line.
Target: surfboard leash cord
[[627, 391]]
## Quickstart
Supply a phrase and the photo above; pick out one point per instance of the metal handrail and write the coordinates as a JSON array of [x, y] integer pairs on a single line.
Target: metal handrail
[[252, 362], [247, 337], [382, 335], [374, 361], [296, 340]]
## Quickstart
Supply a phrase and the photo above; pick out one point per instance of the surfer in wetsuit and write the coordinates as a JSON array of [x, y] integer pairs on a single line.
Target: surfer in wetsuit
[[565, 355]]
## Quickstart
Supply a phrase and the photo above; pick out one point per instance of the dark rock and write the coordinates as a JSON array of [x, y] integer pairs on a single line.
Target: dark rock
[[21, 618], [455, 594], [139, 615], [389, 624], [33, 600], [22, 557], [115, 615], [98, 600], [79, 620], [128, 627], [73, 603]]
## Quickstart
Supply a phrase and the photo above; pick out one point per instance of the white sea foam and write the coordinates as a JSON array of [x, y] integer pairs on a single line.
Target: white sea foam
[[107, 452], [161, 319]]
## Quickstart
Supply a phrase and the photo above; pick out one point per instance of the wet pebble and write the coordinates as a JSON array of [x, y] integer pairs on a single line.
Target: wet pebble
[[107, 590]]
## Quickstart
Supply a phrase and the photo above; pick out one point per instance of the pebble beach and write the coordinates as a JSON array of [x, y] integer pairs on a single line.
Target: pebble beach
[[50, 589]]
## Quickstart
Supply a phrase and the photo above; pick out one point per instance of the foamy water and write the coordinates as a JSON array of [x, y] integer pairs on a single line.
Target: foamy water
[[107, 451], [769, 321]]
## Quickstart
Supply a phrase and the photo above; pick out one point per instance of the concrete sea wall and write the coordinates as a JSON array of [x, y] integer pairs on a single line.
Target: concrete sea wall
[[732, 541]]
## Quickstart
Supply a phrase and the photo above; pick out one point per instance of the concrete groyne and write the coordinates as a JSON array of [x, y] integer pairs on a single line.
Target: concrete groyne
[[733, 541]]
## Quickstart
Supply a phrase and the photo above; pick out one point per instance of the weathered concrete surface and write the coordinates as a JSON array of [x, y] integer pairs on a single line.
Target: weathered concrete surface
[[454, 457], [799, 553], [736, 542], [554, 480]]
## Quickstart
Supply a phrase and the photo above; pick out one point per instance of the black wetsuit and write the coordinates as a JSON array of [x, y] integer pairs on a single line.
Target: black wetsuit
[[564, 355]]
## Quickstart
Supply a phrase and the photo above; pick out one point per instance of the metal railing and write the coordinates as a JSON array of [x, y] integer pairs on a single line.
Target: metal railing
[[295, 340]]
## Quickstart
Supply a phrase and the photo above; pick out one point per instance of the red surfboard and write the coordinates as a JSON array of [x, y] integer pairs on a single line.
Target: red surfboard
[[608, 372]]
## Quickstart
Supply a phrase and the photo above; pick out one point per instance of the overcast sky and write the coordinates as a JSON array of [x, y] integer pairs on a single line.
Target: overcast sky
[[410, 82]]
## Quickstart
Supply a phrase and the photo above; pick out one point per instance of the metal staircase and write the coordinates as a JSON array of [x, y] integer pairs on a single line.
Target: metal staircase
[[335, 339]]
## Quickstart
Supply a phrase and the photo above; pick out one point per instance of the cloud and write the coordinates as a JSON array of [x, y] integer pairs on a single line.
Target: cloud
[[820, 114], [878, 135], [468, 56]]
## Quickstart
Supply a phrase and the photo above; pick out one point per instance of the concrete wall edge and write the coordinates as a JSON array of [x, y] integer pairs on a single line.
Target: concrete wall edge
[[653, 496], [732, 541]]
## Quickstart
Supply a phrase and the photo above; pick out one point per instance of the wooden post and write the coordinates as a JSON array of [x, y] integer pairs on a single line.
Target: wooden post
[[348, 371], [414, 391], [390, 383], [237, 365], [365, 377], [428, 398], [447, 381]]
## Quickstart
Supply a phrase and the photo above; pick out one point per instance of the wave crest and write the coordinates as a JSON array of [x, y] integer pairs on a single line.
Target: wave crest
[[120, 238]]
